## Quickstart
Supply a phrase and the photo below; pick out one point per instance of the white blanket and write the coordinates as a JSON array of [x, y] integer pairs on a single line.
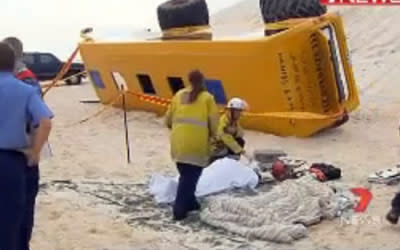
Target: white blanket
[[222, 175]]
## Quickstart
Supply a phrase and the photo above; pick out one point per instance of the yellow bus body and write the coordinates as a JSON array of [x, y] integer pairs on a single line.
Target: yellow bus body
[[290, 79]]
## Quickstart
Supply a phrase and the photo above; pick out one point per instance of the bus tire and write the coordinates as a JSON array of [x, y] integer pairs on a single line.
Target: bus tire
[[279, 10], [183, 13]]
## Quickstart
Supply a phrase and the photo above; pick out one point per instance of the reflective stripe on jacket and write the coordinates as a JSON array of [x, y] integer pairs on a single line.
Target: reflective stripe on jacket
[[227, 132], [192, 127]]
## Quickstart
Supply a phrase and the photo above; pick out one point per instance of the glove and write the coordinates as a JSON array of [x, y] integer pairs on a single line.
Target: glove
[[247, 155]]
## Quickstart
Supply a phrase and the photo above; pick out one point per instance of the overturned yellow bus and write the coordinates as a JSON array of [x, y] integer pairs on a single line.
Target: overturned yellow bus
[[297, 79]]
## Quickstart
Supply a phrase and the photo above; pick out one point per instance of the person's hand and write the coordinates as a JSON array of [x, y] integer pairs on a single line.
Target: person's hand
[[247, 155], [33, 157]]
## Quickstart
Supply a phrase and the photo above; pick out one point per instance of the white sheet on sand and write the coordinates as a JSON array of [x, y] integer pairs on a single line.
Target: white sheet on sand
[[222, 175]]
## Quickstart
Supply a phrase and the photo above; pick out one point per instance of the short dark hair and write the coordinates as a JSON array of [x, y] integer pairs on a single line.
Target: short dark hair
[[7, 57]]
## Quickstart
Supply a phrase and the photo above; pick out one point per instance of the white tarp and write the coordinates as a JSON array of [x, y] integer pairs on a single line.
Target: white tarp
[[222, 175]]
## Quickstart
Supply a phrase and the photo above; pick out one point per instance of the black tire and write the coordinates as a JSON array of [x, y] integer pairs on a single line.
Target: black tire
[[279, 10], [76, 80], [183, 13]]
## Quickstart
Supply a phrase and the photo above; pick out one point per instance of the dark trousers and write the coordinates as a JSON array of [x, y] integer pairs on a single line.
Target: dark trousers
[[32, 189], [12, 198], [185, 198], [396, 203]]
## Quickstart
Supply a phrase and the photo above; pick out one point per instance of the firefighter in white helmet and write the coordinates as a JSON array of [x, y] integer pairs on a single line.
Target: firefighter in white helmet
[[229, 141]]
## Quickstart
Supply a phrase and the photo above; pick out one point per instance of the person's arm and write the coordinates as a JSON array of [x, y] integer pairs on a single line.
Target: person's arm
[[240, 131], [39, 139], [169, 114], [41, 119], [228, 138], [213, 117]]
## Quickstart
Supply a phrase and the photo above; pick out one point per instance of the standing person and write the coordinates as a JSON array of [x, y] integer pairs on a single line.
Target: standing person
[[394, 213], [193, 120], [32, 175], [230, 137], [20, 105]]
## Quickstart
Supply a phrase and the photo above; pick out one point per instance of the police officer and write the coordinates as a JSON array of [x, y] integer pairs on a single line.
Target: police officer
[[20, 106], [32, 172]]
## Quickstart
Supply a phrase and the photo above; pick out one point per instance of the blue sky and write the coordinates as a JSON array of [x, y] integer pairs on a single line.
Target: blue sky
[[54, 25]]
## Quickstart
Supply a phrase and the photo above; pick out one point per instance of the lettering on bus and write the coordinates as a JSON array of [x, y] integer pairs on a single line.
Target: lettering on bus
[[297, 80], [284, 81], [309, 84], [319, 67]]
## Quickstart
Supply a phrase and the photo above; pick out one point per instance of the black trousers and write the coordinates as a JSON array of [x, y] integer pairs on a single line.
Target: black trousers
[[185, 198], [32, 189], [396, 203], [12, 198], [19, 186]]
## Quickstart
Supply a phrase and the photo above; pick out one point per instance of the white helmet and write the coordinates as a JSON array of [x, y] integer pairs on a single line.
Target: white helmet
[[237, 103]]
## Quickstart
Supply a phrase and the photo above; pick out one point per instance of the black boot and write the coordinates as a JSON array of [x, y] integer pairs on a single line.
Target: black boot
[[393, 216], [195, 207], [179, 213]]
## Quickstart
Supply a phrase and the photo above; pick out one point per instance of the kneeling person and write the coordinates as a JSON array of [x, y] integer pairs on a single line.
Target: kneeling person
[[229, 141]]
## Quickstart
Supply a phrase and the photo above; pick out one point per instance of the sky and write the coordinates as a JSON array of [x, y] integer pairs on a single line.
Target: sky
[[54, 25]]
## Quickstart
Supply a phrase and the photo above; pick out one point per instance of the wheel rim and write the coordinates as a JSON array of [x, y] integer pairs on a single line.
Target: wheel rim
[[74, 80]]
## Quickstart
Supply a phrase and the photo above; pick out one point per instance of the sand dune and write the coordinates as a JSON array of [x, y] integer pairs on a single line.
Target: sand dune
[[95, 151]]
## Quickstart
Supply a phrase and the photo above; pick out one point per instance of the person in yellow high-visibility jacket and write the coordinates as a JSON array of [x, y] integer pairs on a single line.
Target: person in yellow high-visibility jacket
[[193, 120], [229, 141]]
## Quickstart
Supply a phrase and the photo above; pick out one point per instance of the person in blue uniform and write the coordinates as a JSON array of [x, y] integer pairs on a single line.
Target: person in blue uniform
[[32, 176], [20, 106]]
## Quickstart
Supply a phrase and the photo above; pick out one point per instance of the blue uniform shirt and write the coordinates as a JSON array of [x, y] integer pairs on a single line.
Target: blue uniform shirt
[[35, 84], [20, 106]]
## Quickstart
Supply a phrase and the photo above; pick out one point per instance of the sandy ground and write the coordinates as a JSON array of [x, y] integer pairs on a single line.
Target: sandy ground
[[95, 151]]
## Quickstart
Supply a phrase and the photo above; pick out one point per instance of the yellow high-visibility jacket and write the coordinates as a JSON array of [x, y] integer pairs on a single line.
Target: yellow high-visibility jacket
[[193, 125], [227, 132]]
